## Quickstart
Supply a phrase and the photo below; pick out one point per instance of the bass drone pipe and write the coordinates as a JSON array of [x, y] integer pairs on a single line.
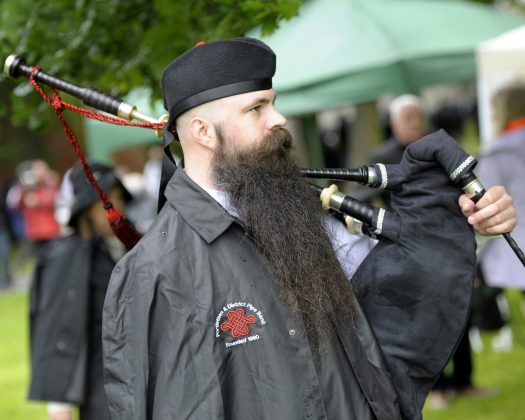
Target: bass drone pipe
[[15, 66]]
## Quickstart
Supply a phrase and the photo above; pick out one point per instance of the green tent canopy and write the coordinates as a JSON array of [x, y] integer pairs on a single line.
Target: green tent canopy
[[338, 52]]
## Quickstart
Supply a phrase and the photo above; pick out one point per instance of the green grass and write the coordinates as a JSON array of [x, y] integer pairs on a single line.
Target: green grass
[[14, 360], [504, 371]]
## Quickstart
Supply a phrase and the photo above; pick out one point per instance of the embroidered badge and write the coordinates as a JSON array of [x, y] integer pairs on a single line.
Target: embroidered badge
[[236, 321]]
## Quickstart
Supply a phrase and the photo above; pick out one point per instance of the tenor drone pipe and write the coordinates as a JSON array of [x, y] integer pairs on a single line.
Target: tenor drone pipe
[[15, 66], [335, 200], [358, 217], [366, 175]]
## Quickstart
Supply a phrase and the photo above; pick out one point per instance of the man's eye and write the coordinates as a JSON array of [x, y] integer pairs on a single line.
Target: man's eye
[[255, 109]]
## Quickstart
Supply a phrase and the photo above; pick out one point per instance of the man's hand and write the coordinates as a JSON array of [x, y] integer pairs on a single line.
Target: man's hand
[[59, 411], [494, 214], [62, 415]]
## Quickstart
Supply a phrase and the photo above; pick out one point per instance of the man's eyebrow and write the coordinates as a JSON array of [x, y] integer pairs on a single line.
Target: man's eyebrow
[[261, 101]]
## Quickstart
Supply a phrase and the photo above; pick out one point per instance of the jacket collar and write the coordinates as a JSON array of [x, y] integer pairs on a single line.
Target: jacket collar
[[196, 206]]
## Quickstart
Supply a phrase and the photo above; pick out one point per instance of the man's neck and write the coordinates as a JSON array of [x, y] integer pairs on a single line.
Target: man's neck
[[200, 178], [199, 171]]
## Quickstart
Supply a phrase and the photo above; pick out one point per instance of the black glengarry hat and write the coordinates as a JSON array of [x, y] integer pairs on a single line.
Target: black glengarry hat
[[216, 70]]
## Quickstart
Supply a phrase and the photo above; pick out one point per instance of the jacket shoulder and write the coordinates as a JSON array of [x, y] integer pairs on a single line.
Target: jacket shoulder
[[169, 233], [157, 253]]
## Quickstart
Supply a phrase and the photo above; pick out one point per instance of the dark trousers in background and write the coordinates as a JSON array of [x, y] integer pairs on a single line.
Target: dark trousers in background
[[461, 376]]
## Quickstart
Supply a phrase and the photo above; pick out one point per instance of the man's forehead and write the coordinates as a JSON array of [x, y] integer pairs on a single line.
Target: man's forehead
[[409, 110]]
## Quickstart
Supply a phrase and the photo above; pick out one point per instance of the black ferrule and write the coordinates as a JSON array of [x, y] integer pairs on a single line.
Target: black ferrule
[[359, 175], [359, 210], [89, 96], [62, 85], [102, 101]]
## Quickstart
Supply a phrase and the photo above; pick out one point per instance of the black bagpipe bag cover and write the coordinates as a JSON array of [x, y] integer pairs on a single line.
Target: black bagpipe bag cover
[[416, 290]]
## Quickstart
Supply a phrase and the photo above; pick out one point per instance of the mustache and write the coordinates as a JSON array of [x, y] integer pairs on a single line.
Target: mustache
[[277, 143], [279, 139], [280, 135]]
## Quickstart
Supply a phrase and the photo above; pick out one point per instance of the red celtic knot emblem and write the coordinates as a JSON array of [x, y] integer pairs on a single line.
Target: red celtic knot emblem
[[237, 323]]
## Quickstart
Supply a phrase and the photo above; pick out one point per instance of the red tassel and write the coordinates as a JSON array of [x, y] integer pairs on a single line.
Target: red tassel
[[121, 227]]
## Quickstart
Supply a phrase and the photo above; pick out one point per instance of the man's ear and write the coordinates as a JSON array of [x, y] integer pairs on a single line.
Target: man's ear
[[203, 132]]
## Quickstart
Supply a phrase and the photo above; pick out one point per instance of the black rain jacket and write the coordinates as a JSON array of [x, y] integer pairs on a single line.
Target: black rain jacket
[[66, 299], [194, 329]]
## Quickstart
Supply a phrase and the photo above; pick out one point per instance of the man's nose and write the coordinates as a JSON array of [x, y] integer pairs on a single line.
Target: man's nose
[[276, 119]]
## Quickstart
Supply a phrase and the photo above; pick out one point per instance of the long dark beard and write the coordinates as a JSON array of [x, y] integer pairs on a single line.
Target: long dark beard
[[284, 216]]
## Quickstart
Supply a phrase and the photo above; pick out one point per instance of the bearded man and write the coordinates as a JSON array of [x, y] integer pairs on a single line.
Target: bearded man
[[236, 304]]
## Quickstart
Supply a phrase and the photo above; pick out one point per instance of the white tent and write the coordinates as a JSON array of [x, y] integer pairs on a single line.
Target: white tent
[[499, 61]]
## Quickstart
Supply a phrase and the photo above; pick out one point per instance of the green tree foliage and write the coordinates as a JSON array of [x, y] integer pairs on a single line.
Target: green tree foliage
[[118, 45], [517, 6]]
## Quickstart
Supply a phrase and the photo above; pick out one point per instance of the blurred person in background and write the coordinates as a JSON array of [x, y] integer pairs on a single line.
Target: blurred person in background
[[143, 209], [408, 124], [64, 202], [152, 171], [503, 163], [5, 242], [407, 121], [451, 117], [67, 295], [35, 197], [16, 218]]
